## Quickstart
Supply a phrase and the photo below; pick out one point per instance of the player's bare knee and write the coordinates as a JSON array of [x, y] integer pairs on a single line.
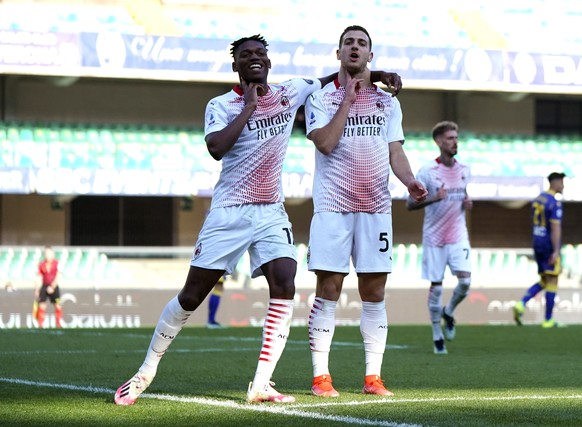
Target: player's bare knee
[[191, 297], [282, 290]]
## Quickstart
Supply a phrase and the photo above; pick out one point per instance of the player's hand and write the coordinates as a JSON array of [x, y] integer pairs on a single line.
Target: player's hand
[[392, 81], [467, 204], [441, 193], [251, 92], [352, 88], [50, 290], [417, 191]]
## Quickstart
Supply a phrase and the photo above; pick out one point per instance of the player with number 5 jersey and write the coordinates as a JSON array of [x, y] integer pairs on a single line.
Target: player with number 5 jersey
[[356, 128]]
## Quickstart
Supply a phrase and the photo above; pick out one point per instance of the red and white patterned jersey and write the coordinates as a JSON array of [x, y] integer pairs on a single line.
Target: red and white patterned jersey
[[354, 176], [444, 221], [251, 170]]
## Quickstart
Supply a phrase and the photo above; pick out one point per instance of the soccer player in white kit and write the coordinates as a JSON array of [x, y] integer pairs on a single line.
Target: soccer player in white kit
[[445, 240], [248, 129], [357, 131]]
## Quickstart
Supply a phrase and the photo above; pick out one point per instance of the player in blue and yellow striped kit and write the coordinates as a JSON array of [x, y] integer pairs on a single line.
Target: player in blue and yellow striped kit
[[547, 237]]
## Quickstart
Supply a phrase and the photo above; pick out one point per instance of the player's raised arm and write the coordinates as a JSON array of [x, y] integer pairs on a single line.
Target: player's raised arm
[[220, 142], [327, 137]]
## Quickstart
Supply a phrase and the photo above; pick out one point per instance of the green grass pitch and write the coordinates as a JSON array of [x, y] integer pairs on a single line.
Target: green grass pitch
[[492, 376]]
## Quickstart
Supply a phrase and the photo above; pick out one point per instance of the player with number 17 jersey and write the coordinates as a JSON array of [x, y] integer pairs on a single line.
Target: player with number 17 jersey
[[251, 170]]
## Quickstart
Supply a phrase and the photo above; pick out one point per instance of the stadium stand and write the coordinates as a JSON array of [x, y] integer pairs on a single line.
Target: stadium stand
[[139, 147], [68, 17], [484, 24]]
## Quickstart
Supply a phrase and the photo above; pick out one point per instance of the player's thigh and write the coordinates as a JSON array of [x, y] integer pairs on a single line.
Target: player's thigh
[[55, 297], [434, 263], [225, 236], [43, 294], [459, 257], [272, 237], [330, 242], [542, 256], [372, 252]]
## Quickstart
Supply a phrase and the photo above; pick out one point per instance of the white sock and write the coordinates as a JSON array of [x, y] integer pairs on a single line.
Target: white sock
[[171, 321], [321, 330], [374, 330], [435, 300], [459, 294], [275, 334]]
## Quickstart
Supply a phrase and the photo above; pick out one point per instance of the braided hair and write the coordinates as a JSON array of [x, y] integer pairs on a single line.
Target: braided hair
[[257, 37]]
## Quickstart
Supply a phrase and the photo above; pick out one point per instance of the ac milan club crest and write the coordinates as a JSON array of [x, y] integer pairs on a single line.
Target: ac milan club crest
[[197, 250]]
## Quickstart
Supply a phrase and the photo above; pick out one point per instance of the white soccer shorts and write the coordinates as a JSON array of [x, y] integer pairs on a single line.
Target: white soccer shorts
[[365, 237], [262, 229], [435, 259]]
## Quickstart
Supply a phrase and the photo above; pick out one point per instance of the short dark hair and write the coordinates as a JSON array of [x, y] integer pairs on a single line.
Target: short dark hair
[[355, 28], [442, 127], [257, 37], [556, 175]]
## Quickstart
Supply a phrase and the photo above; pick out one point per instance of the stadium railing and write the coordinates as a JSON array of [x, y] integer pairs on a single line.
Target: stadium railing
[[165, 267]]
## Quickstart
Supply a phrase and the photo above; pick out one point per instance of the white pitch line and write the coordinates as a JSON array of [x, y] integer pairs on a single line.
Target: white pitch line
[[337, 344], [433, 400], [48, 352], [296, 410], [279, 410]]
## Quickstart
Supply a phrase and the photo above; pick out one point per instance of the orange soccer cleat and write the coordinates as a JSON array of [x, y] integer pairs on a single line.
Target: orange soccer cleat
[[375, 385], [322, 387]]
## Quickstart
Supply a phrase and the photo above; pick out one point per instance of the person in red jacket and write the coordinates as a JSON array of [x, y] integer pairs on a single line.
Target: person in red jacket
[[47, 287]]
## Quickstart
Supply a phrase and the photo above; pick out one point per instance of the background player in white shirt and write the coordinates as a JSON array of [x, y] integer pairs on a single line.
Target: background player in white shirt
[[247, 129], [445, 240], [357, 131]]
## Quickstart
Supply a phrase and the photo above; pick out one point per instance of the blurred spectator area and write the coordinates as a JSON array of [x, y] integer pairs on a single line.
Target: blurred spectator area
[[68, 16], [485, 24], [146, 147]]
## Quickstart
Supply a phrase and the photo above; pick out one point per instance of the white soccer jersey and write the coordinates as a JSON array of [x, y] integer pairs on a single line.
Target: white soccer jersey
[[444, 221], [354, 176], [251, 170]]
